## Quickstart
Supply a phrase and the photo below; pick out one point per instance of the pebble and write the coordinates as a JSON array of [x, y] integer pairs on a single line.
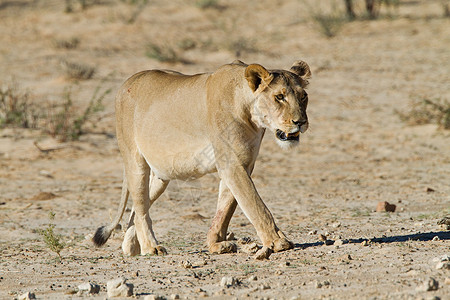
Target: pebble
[[336, 225], [312, 232], [27, 296], [430, 284], [153, 297], [186, 264], [88, 288], [119, 288], [444, 265], [252, 278], [174, 296], [228, 281], [322, 237], [345, 257], [444, 257], [436, 238], [338, 242], [365, 243], [385, 206]]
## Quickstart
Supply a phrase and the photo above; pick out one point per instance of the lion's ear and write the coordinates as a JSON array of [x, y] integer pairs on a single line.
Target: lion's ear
[[302, 69], [256, 74]]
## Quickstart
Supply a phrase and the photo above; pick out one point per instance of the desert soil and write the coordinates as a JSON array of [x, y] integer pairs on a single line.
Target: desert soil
[[356, 153]]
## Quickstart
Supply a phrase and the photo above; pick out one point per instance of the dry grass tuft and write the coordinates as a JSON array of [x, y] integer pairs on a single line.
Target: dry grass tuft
[[77, 70], [428, 111], [16, 109]]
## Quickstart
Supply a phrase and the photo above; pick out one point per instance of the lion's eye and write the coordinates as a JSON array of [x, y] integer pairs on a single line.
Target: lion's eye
[[280, 97]]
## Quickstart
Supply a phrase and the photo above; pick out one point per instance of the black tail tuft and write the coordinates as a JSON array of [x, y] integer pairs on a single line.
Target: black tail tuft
[[101, 236]]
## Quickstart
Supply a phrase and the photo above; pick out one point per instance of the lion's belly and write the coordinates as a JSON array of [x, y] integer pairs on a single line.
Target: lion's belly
[[176, 147], [171, 160]]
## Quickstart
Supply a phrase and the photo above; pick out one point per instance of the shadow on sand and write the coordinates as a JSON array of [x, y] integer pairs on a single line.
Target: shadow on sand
[[423, 237]]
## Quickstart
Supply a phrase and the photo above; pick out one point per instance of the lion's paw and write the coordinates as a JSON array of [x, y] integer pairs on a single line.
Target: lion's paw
[[282, 244], [263, 253], [158, 250], [223, 247]]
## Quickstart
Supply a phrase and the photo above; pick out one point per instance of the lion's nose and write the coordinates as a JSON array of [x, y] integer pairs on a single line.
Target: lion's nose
[[299, 123]]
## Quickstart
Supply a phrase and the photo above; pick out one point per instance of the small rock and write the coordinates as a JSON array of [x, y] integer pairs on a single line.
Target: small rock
[[44, 196], [412, 273], [336, 225], [444, 257], [278, 272], [436, 238], [228, 281], [154, 297], [88, 288], [252, 278], [385, 206], [365, 243], [430, 190], [45, 173], [338, 242], [444, 221], [285, 264], [322, 237], [345, 257], [430, 284], [186, 264], [27, 296], [174, 296], [265, 287], [119, 288], [444, 265], [312, 232], [318, 285]]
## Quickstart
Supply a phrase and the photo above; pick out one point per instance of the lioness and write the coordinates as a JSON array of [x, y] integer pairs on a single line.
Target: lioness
[[176, 126]]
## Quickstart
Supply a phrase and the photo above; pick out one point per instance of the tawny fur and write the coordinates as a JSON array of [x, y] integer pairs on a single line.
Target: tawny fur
[[175, 126]]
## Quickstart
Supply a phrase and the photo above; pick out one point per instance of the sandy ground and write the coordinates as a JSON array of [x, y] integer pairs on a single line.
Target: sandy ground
[[356, 153]]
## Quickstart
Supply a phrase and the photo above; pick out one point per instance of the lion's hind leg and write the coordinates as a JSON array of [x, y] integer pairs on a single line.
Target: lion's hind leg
[[144, 188]]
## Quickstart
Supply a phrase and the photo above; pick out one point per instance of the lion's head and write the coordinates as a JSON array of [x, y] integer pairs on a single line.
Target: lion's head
[[280, 100]]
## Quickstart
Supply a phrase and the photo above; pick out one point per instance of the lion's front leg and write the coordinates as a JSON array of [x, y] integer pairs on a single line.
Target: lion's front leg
[[243, 189], [217, 233]]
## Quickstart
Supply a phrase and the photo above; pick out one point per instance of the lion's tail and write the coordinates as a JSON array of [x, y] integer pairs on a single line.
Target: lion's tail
[[103, 233]]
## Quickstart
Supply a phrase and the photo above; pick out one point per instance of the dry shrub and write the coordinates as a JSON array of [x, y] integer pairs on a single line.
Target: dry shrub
[[428, 111], [78, 71], [16, 109], [164, 54], [69, 43], [204, 4], [329, 21], [66, 123]]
